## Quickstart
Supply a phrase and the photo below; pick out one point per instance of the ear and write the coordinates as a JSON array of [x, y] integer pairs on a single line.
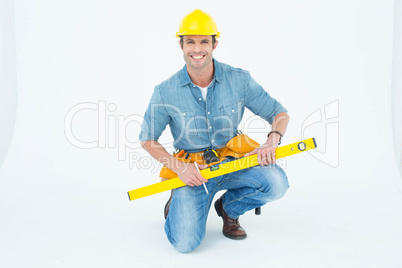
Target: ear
[[216, 44]]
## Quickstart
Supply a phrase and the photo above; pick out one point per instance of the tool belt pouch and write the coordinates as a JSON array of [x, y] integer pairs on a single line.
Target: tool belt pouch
[[241, 144], [237, 147]]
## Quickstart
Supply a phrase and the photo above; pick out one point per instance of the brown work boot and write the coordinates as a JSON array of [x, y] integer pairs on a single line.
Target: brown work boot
[[168, 204], [231, 227]]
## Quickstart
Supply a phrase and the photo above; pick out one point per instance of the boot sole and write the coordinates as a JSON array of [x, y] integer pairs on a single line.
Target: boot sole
[[238, 237]]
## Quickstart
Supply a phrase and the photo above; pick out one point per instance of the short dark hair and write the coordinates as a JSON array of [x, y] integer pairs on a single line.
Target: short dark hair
[[213, 40]]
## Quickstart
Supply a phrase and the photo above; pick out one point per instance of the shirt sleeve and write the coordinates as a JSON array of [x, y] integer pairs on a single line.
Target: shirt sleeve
[[156, 118], [260, 102]]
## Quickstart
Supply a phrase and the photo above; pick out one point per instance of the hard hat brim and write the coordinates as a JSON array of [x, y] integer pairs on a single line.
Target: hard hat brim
[[217, 34]]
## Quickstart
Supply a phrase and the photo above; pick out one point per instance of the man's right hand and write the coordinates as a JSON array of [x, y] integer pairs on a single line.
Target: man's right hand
[[187, 172], [191, 176]]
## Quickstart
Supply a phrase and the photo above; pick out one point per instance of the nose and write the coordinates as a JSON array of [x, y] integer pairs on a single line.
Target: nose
[[197, 48]]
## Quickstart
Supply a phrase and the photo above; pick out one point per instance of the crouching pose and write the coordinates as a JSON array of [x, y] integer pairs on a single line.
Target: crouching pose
[[203, 104]]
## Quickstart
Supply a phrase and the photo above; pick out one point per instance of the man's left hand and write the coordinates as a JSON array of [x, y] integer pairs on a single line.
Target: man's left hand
[[266, 154]]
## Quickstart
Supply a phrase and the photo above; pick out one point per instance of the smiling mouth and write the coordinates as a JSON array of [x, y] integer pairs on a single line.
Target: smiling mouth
[[197, 57]]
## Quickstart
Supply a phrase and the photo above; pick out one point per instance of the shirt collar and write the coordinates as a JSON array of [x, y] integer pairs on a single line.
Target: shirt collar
[[185, 78]]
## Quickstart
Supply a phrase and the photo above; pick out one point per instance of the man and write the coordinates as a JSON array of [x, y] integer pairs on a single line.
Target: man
[[203, 104]]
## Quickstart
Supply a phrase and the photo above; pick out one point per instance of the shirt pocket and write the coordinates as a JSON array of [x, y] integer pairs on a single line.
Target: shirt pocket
[[186, 124], [232, 111], [229, 118]]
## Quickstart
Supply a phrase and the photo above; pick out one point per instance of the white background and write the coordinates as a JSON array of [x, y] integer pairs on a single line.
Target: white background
[[65, 206]]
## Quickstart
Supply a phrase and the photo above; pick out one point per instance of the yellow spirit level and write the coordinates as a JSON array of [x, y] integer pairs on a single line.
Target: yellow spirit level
[[222, 169]]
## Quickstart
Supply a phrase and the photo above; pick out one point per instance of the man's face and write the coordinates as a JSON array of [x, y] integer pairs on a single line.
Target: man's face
[[197, 50]]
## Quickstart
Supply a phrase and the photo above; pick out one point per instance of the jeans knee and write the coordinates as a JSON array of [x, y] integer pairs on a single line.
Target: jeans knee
[[184, 237], [278, 192], [186, 245], [277, 185]]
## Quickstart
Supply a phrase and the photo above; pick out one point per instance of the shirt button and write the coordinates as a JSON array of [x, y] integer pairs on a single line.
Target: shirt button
[[208, 112], [232, 111], [213, 140], [184, 113], [210, 127], [199, 99]]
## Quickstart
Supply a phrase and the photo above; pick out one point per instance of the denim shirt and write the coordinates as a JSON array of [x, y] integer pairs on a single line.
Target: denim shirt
[[197, 125]]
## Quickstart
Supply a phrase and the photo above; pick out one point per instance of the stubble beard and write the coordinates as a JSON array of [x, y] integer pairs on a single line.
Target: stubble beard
[[189, 62]]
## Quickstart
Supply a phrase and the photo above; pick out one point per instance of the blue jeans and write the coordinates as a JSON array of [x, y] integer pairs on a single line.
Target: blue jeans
[[246, 189]]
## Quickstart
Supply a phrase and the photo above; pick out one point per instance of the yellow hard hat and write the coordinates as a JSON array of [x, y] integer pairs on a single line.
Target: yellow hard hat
[[198, 23]]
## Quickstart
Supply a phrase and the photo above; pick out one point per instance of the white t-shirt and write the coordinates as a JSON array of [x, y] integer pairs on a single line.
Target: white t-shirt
[[203, 91]]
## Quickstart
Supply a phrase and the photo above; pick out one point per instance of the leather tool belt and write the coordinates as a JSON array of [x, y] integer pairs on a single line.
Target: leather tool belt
[[236, 147]]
